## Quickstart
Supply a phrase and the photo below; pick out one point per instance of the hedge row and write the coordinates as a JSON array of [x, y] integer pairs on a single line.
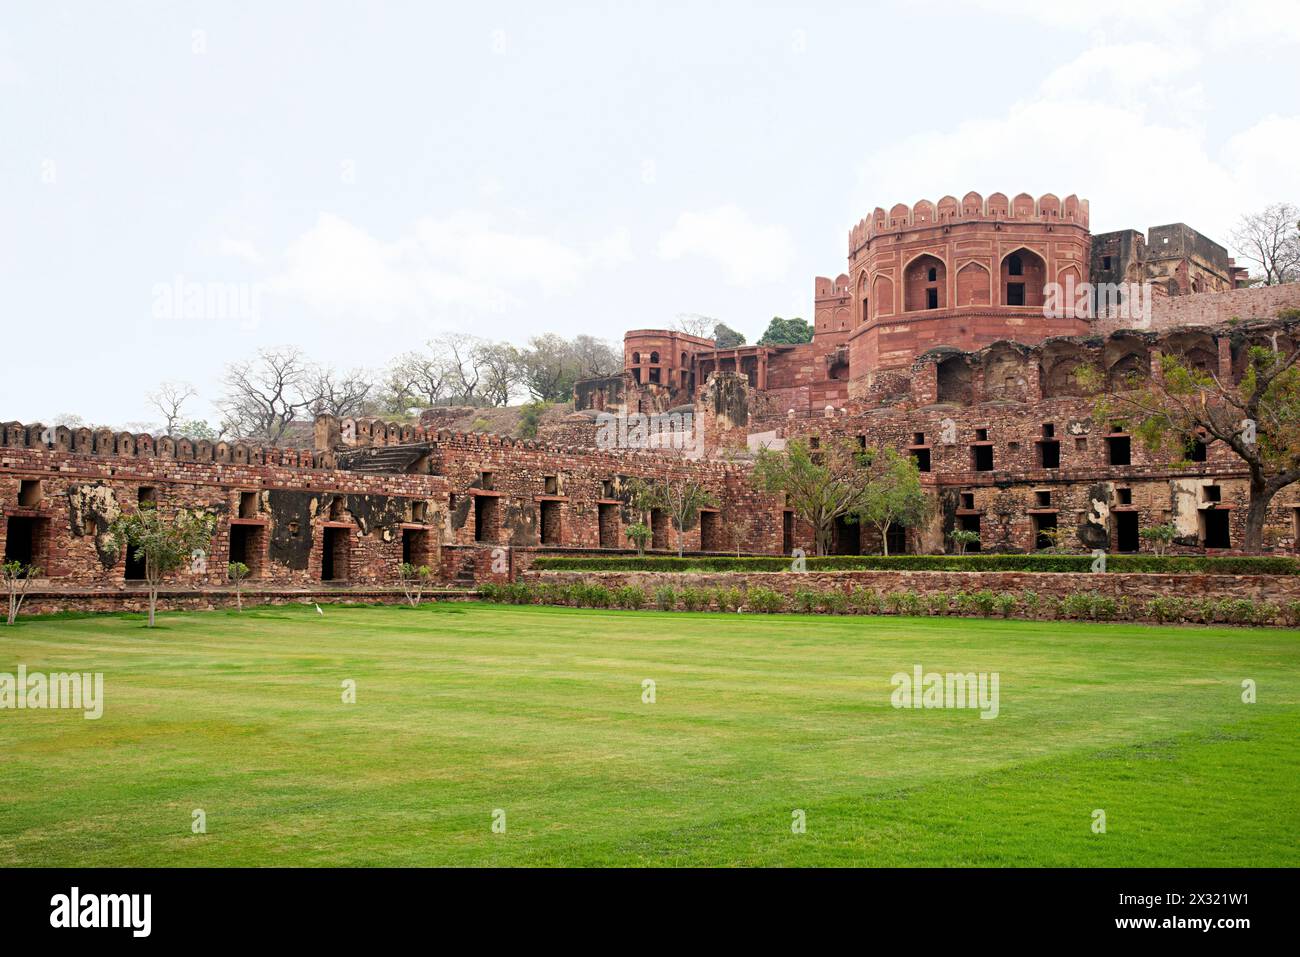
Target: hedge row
[[1168, 564], [1088, 606]]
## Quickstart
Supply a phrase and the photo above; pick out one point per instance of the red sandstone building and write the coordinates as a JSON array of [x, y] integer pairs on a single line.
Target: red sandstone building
[[936, 340]]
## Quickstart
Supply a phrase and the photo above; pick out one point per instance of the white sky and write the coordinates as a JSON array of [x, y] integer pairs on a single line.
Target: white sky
[[382, 172]]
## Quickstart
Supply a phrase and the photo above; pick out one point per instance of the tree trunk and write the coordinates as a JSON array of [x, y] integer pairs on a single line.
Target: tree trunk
[[1260, 495], [153, 602], [884, 538]]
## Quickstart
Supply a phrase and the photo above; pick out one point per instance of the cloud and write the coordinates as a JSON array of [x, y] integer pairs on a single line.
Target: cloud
[[463, 263], [240, 249], [1122, 125], [726, 235]]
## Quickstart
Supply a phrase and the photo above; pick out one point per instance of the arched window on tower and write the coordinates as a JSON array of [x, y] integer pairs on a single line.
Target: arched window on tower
[[654, 358], [1015, 265], [636, 358]]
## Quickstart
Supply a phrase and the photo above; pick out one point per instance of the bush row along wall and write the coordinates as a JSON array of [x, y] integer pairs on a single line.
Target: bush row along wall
[[1248, 599]]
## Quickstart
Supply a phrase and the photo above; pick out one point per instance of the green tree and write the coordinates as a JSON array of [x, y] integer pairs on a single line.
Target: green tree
[[679, 498], [1257, 419], [786, 332], [17, 578], [237, 572], [820, 485], [963, 538], [414, 578], [639, 534], [725, 337], [893, 495], [1160, 536], [162, 542], [530, 417]]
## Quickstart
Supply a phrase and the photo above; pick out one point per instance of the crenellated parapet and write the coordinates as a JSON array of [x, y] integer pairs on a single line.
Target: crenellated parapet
[[972, 207]]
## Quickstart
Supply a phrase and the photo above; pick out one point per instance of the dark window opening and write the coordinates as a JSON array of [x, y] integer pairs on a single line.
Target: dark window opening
[[932, 299], [1214, 528], [654, 375], [134, 566], [419, 512], [1043, 499], [415, 547], [970, 523], [1213, 493], [549, 525], [146, 495], [29, 493], [485, 518], [1126, 532], [607, 488], [982, 458], [897, 539], [658, 529], [335, 548], [1015, 294], [608, 516], [918, 438], [1015, 266], [846, 538], [1105, 262], [711, 539], [1049, 430], [1196, 449], [922, 459], [866, 310], [1118, 450], [787, 532], [1050, 455], [981, 435], [246, 547], [932, 275], [967, 499], [25, 541], [248, 505], [550, 485], [485, 481], [1124, 496], [1044, 526]]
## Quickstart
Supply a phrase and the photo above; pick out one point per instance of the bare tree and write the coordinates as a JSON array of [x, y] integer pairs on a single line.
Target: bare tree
[[693, 324], [342, 394], [463, 372], [1271, 240], [596, 357], [498, 365], [265, 395], [169, 400], [421, 377]]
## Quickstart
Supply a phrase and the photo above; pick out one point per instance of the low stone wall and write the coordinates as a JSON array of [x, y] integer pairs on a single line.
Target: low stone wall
[[48, 601], [1050, 587]]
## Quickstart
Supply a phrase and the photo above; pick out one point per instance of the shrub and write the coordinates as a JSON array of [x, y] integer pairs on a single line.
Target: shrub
[[489, 591], [833, 602], [1166, 609], [730, 599], [865, 601], [979, 562], [805, 600], [1104, 608], [765, 600], [666, 597], [629, 596], [694, 599], [1005, 603], [984, 601], [1030, 601], [936, 603], [1291, 612]]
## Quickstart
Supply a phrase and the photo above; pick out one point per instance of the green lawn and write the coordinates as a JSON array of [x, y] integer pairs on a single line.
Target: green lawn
[[463, 709]]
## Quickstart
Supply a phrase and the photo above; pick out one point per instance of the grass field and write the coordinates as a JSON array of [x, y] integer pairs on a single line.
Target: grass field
[[464, 709]]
